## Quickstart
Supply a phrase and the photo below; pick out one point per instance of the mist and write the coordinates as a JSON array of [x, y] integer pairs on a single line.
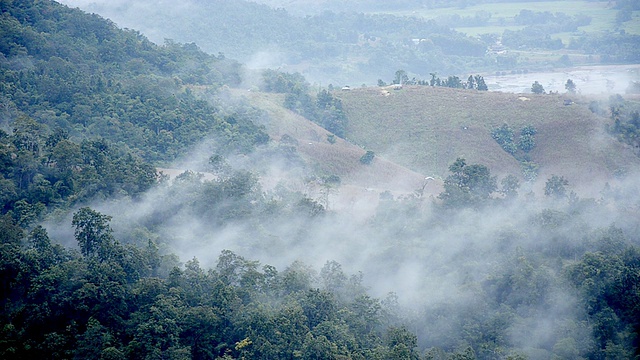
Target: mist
[[436, 261], [497, 271]]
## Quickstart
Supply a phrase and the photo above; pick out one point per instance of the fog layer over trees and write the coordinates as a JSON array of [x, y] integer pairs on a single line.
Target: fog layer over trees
[[104, 257]]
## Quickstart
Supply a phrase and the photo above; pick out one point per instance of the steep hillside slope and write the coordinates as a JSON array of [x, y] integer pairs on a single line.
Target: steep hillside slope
[[426, 128], [341, 158]]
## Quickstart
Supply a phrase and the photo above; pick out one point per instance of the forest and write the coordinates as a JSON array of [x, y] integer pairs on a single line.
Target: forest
[[104, 256], [354, 42]]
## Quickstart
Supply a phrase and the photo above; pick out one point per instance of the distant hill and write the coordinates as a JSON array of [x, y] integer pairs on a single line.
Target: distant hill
[[426, 129], [419, 131], [87, 109], [359, 182], [78, 72], [328, 47]]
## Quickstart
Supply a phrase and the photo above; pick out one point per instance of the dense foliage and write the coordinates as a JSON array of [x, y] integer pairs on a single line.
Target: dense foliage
[[325, 109], [126, 302], [79, 73], [41, 171], [86, 107], [624, 116], [334, 43], [359, 40], [126, 299]]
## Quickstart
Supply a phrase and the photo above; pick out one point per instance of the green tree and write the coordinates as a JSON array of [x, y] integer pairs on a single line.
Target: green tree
[[468, 185], [527, 139], [453, 82], [368, 157], [480, 83], [401, 77], [536, 88], [556, 187], [471, 83], [93, 234], [570, 86], [510, 185], [318, 348], [504, 137], [402, 344]]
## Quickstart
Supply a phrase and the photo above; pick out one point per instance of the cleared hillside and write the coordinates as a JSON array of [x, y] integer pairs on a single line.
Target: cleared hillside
[[341, 158], [426, 128]]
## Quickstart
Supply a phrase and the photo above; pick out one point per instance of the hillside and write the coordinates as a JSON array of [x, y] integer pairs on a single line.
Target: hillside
[[360, 183], [360, 42], [426, 128], [338, 48], [101, 257]]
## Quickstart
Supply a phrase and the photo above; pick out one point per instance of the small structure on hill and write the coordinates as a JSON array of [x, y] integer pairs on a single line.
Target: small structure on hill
[[346, 88]]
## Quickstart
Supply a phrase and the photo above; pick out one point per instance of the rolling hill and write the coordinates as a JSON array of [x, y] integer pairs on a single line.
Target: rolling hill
[[419, 131], [360, 184], [426, 129]]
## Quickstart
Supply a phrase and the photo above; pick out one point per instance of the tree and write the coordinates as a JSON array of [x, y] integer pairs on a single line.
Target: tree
[[401, 77], [468, 185], [402, 344], [570, 86], [527, 138], [504, 137], [480, 84], [435, 80], [453, 82], [93, 233], [556, 187], [471, 83], [367, 158], [510, 186], [536, 88]]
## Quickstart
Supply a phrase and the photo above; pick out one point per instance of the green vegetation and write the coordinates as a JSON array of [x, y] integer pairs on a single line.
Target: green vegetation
[[346, 45], [624, 119], [570, 86], [325, 109], [504, 136], [88, 108], [414, 127], [468, 185], [368, 157], [89, 232], [556, 187], [129, 302], [537, 88], [83, 75]]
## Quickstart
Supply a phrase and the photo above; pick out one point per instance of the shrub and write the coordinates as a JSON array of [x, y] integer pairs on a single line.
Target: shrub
[[367, 158]]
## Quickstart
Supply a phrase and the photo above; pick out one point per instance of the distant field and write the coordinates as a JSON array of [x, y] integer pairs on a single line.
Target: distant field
[[509, 10], [502, 18], [633, 26], [603, 16]]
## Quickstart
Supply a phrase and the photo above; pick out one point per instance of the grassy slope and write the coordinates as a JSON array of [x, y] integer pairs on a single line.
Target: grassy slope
[[419, 131], [426, 128], [341, 158]]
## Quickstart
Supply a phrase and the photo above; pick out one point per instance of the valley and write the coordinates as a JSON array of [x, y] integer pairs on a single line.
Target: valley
[[410, 180]]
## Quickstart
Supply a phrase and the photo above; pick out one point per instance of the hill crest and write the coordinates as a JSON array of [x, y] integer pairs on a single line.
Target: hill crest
[[426, 128]]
